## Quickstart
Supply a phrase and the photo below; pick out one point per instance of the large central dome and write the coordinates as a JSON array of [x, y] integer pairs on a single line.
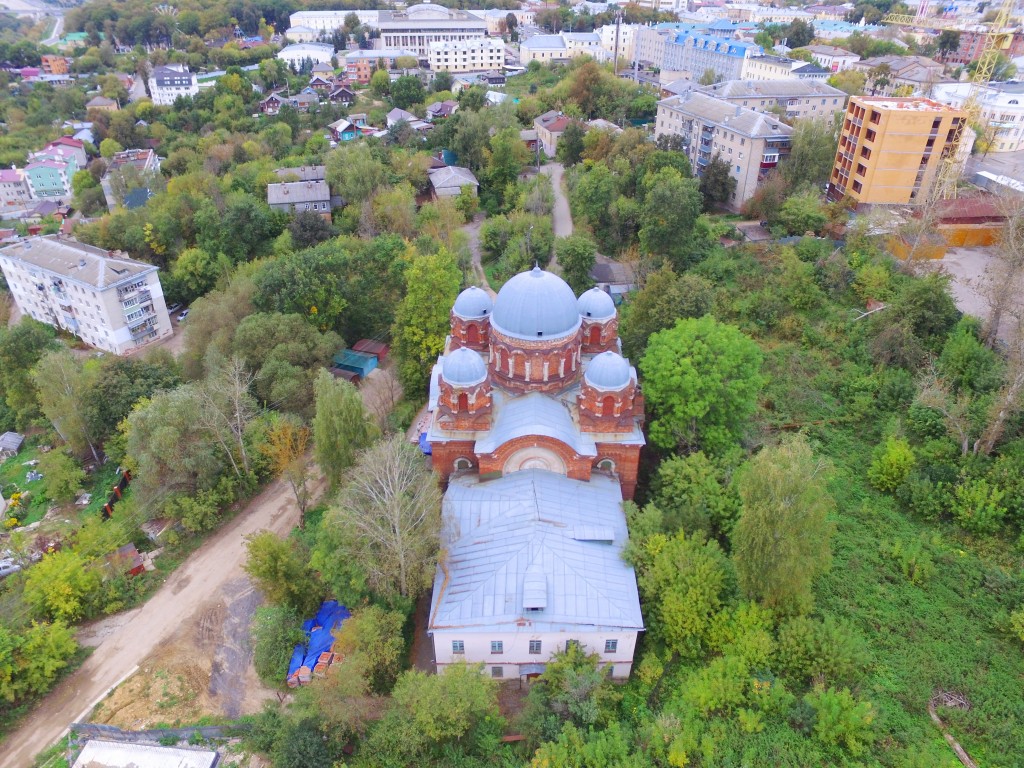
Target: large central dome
[[536, 305]]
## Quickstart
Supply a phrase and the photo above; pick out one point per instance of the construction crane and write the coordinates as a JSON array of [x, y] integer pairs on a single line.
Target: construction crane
[[997, 39]]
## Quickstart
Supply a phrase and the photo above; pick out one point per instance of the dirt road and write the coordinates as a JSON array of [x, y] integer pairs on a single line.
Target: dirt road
[[126, 640]]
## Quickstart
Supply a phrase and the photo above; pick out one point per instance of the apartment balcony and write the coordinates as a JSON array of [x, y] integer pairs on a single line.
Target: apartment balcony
[[142, 328]]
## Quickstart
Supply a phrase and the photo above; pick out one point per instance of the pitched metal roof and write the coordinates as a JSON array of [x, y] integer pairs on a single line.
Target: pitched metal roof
[[452, 176], [77, 261], [296, 192], [512, 546], [534, 414], [726, 114]]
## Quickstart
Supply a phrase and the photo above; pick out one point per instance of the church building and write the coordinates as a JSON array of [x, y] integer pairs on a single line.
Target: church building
[[535, 429]]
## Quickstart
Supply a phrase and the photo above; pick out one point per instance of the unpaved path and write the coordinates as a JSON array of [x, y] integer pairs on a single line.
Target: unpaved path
[[472, 231], [124, 641]]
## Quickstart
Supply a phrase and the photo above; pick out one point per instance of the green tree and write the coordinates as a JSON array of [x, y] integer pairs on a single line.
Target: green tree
[[442, 82], [892, 463], [780, 543], [841, 720], [63, 384], [197, 272], [505, 160], [570, 144], [372, 638], [421, 321], [341, 427], [109, 147], [701, 380], [280, 570], [354, 172], [21, 347], [309, 228], [276, 630], [799, 33], [709, 77], [406, 91], [948, 42], [576, 256], [665, 298], [389, 520], [802, 213], [380, 83], [31, 659], [62, 476], [684, 581], [693, 494], [62, 586], [717, 183], [668, 217], [813, 152], [851, 81]]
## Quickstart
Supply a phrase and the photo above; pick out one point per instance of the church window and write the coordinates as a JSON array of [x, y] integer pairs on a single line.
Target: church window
[[463, 402], [462, 463], [608, 406], [595, 335], [472, 334], [606, 465]]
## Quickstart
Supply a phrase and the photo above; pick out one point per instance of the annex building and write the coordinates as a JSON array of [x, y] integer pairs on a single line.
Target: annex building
[[535, 429]]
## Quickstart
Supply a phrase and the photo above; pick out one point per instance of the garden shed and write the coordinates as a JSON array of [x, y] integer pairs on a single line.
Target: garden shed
[[360, 363], [10, 444], [370, 347]]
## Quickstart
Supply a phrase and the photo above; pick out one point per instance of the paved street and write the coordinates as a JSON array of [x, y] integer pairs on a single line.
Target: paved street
[[1001, 163]]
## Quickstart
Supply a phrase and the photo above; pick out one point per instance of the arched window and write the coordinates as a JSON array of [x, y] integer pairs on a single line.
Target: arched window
[[463, 404], [502, 359], [595, 335], [462, 464], [472, 334], [608, 406], [606, 465]]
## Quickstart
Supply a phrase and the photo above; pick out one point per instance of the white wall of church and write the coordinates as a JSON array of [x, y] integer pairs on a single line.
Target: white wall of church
[[515, 649]]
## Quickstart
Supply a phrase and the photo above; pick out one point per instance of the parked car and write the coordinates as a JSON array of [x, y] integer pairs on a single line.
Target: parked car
[[182, 316], [173, 308]]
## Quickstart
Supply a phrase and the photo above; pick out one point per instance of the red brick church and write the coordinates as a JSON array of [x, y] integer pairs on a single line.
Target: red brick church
[[536, 431]]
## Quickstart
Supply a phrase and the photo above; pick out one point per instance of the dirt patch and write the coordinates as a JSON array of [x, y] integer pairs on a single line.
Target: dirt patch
[[205, 668], [512, 700], [421, 655]]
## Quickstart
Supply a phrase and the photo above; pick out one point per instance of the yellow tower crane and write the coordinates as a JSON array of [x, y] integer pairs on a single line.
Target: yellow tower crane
[[997, 39]]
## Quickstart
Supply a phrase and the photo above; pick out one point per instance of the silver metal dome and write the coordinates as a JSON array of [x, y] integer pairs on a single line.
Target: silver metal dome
[[463, 368], [536, 305], [472, 303], [596, 304], [609, 371]]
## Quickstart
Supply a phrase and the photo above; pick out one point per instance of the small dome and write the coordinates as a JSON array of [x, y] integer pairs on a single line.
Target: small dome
[[608, 370], [596, 304], [427, 10], [473, 303], [536, 305], [463, 368]]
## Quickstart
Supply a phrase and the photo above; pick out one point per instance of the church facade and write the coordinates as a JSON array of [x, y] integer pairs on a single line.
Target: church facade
[[536, 430]]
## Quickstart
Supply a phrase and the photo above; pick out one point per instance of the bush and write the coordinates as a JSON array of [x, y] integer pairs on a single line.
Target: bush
[[914, 560], [841, 720], [809, 649], [978, 507], [891, 464], [276, 630], [923, 497]]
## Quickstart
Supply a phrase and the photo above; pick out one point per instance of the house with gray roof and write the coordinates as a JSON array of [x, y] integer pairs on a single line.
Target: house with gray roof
[[752, 143], [296, 196], [449, 181], [793, 99]]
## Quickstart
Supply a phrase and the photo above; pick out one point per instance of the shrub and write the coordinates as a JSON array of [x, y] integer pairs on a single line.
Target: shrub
[[840, 719], [891, 464], [824, 650], [923, 497], [915, 562], [978, 507]]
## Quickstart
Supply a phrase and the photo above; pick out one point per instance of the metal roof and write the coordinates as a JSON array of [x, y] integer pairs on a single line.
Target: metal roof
[[110, 754], [11, 441], [76, 261], [452, 176], [295, 192], [535, 414], [503, 537]]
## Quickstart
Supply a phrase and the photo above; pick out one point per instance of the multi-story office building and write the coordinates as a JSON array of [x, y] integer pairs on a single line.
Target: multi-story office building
[[169, 82], [111, 302], [476, 55], [890, 149], [418, 26], [751, 142], [328, 21], [792, 99]]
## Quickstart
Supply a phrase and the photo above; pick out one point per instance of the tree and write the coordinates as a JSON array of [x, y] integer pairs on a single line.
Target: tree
[[389, 519], [372, 638], [308, 228], [576, 257], [406, 91], [63, 383], [665, 298], [380, 83], [879, 77], [109, 147], [802, 213], [226, 408], [21, 347], [1005, 270], [570, 145], [62, 586], [62, 476], [781, 541], [799, 33], [285, 448], [442, 81], [709, 77], [505, 160], [197, 272], [813, 152], [701, 380], [276, 630], [851, 81], [342, 426], [354, 172], [693, 494], [421, 320], [948, 42], [31, 659], [668, 216], [280, 569], [717, 183]]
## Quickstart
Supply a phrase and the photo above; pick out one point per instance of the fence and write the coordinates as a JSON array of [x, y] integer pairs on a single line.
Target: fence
[[113, 733]]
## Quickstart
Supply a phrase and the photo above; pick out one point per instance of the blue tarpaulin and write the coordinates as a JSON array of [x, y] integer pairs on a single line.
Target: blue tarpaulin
[[319, 635], [424, 445]]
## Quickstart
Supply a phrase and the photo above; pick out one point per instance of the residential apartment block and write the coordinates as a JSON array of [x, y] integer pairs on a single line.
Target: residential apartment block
[[751, 142], [109, 301], [50, 178], [693, 55], [359, 65], [792, 99], [169, 82], [297, 196], [15, 190], [475, 55], [890, 149], [420, 25], [1002, 109]]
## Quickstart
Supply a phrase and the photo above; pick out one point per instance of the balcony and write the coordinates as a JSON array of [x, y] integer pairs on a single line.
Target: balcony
[[144, 327]]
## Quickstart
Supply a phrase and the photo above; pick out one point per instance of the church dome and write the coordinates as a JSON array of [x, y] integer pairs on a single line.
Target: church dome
[[536, 305], [473, 303], [463, 367], [427, 10], [608, 370], [596, 304]]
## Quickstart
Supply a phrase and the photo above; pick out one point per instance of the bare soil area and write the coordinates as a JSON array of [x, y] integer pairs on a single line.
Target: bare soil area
[[189, 642], [967, 267]]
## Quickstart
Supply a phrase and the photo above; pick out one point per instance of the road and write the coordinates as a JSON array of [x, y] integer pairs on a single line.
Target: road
[[129, 638], [58, 28]]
